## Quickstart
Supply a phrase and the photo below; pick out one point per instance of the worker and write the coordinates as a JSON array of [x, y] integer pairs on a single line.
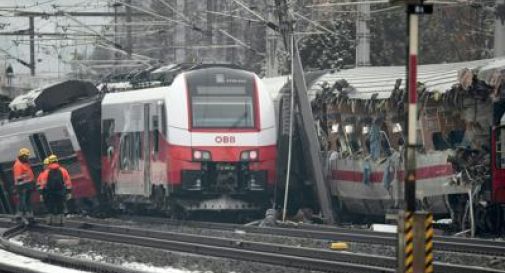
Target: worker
[[55, 186], [46, 164], [24, 185]]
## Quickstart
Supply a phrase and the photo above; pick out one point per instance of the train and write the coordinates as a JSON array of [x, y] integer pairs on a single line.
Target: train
[[361, 119], [196, 138], [213, 138]]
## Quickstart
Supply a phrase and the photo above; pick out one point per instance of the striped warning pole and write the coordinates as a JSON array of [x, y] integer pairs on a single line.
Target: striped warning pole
[[428, 243], [409, 242]]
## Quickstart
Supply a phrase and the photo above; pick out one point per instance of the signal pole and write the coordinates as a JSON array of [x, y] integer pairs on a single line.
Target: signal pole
[[415, 229], [499, 31], [31, 31]]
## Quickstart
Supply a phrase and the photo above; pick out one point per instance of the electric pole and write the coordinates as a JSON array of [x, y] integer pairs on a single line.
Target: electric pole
[[31, 30], [499, 29], [180, 34], [128, 28], [363, 35], [272, 62]]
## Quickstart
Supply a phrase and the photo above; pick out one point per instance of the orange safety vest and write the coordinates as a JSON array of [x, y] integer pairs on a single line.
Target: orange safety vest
[[22, 173], [42, 179]]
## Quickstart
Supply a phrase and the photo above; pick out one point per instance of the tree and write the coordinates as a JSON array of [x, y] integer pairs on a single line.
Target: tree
[[322, 51]]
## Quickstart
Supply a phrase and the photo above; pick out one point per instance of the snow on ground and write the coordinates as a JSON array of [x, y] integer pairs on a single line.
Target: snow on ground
[[88, 256], [153, 269], [12, 259]]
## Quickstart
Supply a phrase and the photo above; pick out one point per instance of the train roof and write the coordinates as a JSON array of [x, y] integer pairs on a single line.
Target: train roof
[[154, 76], [364, 82], [139, 95], [58, 117]]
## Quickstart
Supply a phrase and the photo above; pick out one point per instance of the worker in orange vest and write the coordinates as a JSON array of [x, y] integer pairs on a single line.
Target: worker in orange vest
[[39, 178], [55, 186], [24, 185]]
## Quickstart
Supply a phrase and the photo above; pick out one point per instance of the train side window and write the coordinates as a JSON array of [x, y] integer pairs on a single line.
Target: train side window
[[130, 151], [163, 119], [108, 137], [500, 148], [156, 132], [41, 147], [62, 148]]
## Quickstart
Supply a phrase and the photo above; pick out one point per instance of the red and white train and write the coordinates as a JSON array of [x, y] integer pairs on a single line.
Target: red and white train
[[205, 141]]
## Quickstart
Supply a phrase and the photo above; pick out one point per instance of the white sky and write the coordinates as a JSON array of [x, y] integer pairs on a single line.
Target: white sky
[[47, 50]]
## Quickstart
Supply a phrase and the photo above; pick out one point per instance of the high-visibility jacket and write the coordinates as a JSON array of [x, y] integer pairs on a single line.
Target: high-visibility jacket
[[42, 179], [22, 173]]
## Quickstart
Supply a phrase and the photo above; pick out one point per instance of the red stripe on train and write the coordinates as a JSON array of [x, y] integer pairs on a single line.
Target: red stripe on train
[[376, 177]]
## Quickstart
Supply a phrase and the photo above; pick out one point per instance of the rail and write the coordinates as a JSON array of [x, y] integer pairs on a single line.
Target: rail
[[441, 243], [275, 254]]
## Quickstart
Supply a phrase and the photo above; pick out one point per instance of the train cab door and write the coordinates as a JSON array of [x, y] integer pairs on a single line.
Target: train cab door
[[133, 160]]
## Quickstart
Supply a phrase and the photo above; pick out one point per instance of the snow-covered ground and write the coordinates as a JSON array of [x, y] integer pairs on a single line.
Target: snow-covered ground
[[29, 263], [11, 259]]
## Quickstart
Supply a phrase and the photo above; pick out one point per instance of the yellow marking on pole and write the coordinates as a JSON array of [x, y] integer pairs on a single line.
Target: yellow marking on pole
[[428, 244], [409, 242]]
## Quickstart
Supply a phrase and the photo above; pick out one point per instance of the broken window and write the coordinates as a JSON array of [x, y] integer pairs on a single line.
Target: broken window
[[439, 142], [39, 142]]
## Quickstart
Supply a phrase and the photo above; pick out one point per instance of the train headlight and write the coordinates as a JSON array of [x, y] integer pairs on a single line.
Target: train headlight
[[253, 155], [201, 155], [249, 155]]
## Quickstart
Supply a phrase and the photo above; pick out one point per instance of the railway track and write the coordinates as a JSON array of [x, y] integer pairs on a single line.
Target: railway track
[[300, 257], [49, 258], [441, 243], [282, 255]]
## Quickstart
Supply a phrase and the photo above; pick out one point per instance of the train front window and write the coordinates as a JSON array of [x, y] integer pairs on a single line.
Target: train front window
[[221, 98], [223, 112]]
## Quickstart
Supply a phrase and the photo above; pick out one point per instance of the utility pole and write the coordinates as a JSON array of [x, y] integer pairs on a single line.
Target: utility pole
[[180, 35], [363, 35], [31, 30], [128, 28], [115, 5], [499, 29], [272, 62]]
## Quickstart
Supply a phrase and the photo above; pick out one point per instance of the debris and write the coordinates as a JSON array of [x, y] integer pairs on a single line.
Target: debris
[[339, 246]]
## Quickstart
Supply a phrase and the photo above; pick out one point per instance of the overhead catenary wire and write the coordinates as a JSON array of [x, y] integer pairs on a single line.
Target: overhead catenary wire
[[106, 39], [187, 22]]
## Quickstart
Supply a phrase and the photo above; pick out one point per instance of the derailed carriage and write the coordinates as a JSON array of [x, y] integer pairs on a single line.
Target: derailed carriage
[[71, 130], [361, 118]]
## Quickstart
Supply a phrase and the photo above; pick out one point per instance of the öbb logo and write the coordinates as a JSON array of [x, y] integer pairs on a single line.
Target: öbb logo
[[224, 139]]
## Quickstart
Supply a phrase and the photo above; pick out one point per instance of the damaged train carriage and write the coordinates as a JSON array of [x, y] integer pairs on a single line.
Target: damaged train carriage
[[361, 116], [62, 119]]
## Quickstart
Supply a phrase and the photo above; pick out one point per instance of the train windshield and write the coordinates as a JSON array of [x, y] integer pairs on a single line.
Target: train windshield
[[221, 98]]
